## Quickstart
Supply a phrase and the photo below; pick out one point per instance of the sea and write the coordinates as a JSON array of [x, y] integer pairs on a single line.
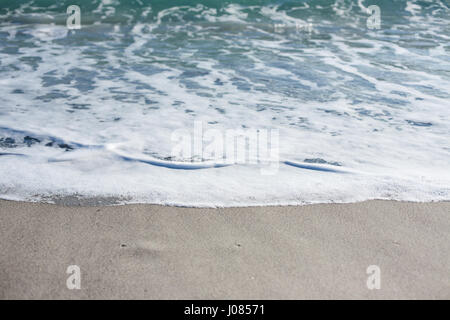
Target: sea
[[98, 97]]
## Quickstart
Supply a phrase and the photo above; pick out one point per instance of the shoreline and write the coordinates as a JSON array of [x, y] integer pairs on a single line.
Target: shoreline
[[76, 201], [139, 251]]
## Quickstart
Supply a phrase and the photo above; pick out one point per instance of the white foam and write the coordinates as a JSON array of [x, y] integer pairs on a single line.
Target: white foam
[[342, 139]]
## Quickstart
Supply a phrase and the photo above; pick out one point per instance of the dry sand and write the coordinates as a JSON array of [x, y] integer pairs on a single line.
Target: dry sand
[[156, 252]]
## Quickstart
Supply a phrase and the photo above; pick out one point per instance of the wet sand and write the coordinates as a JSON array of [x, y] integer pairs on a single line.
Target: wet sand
[[157, 252]]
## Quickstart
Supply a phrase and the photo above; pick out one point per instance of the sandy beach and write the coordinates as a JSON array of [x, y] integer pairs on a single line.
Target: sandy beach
[[156, 252]]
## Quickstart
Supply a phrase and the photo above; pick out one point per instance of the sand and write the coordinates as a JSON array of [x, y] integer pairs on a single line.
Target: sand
[[157, 252]]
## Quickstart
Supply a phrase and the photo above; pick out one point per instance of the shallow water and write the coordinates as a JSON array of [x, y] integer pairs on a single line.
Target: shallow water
[[361, 113]]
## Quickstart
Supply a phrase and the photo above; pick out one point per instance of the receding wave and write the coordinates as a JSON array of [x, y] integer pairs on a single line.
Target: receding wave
[[361, 113]]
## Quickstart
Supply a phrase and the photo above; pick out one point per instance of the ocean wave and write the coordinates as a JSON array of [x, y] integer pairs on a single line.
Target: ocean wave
[[361, 113]]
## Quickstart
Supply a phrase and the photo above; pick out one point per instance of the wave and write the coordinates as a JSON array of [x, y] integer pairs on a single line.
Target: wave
[[361, 113]]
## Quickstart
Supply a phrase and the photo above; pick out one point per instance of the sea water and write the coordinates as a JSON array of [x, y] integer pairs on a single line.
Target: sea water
[[360, 112]]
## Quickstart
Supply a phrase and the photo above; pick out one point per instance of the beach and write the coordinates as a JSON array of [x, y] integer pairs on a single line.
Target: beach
[[160, 252], [210, 149]]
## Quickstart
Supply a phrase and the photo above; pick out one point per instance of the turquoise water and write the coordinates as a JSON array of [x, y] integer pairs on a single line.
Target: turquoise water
[[361, 113]]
